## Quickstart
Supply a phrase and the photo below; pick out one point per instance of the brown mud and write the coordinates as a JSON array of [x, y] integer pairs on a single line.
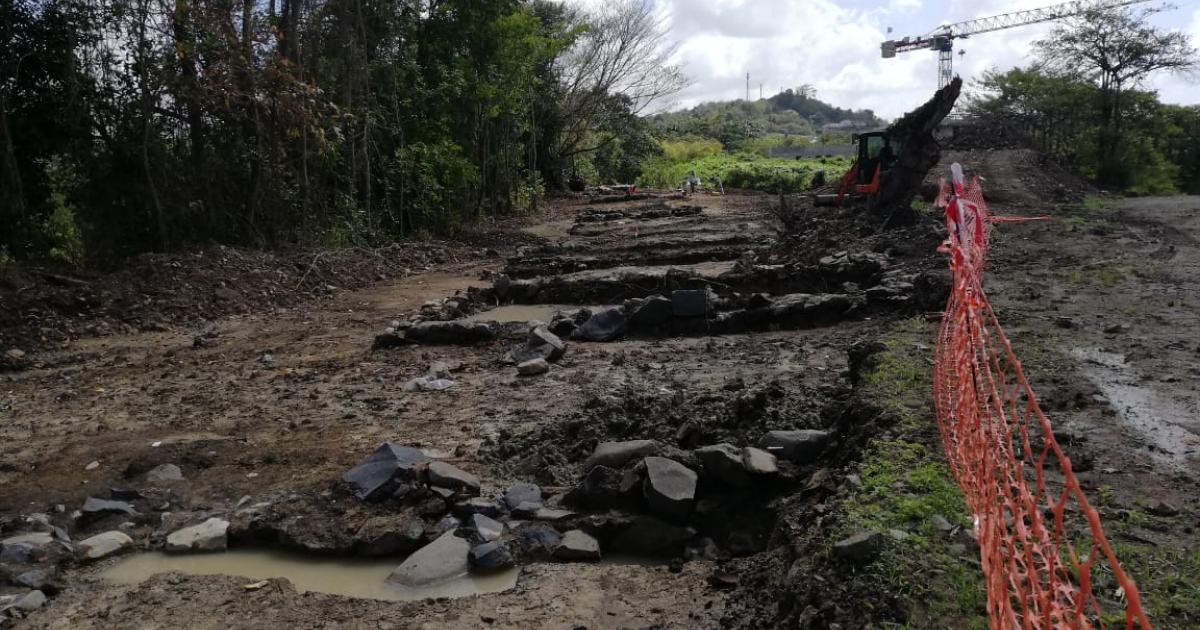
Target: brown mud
[[263, 411]]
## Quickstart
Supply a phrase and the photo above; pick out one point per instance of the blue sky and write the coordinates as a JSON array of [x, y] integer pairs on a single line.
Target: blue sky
[[834, 45]]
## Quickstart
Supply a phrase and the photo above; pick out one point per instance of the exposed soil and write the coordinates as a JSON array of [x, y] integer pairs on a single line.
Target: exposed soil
[[269, 405]]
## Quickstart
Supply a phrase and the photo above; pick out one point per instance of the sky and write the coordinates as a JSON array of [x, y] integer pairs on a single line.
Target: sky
[[834, 46]]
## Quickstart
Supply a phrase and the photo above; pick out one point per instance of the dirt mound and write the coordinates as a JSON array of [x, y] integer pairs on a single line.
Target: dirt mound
[[1018, 177], [737, 412], [810, 233], [39, 307]]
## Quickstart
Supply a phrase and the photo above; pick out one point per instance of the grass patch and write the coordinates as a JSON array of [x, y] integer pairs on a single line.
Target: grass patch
[[1077, 224], [740, 170], [1104, 275], [1096, 203], [1168, 579], [904, 483]]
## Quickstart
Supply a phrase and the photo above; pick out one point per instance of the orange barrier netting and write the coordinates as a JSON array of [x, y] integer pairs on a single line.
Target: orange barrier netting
[[1038, 570]]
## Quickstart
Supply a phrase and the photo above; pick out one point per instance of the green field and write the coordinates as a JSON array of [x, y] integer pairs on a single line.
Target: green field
[[742, 170]]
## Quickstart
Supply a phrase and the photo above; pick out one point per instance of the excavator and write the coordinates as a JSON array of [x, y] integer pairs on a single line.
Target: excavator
[[892, 161], [875, 154]]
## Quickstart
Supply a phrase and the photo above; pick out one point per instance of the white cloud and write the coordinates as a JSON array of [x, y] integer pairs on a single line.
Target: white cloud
[[835, 47]]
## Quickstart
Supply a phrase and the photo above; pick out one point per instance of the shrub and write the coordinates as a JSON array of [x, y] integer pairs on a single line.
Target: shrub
[[744, 170], [60, 230]]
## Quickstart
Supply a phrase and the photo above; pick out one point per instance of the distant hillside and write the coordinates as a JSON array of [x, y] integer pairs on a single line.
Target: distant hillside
[[791, 112]]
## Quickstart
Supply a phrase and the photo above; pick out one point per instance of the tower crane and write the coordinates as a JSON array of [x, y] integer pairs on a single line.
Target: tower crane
[[942, 38]]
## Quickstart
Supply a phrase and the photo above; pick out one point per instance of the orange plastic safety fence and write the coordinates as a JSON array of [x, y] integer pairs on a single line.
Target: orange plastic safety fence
[[1041, 542]]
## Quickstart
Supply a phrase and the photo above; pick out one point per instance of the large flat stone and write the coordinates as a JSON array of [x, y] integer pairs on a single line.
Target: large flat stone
[[30, 601], [104, 545], [486, 528], [617, 454], [26, 548], [653, 311], [723, 462], [451, 333], [94, 508], [670, 487], [490, 556], [519, 493], [207, 536], [604, 325], [541, 344], [33, 539], [759, 462], [449, 476], [577, 545], [801, 446], [533, 367], [442, 560], [378, 476], [860, 548], [164, 473]]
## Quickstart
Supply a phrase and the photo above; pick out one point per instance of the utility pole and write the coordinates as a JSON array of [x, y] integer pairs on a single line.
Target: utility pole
[[747, 87], [760, 91]]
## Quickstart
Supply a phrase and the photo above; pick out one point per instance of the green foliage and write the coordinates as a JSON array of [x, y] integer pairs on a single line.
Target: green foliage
[[743, 170], [1153, 149], [622, 144], [60, 230], [689, 150], [765, 144], [1096, 203], [398, 118], [789, 113], [527, 194], [1183, 144], [905, 482], [431, 177], [8, 267]]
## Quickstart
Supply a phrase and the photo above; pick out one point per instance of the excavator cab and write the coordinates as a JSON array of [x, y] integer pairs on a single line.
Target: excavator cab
[[876, 154]]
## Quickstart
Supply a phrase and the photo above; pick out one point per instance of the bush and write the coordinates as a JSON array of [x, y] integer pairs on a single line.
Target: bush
[[434, 178], [60, 230], [744, 170]]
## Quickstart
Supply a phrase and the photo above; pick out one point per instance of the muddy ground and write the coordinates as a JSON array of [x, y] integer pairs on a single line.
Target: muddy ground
[[268, 408]]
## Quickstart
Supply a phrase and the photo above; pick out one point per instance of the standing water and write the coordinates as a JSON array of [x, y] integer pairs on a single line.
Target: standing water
[[364, 579]]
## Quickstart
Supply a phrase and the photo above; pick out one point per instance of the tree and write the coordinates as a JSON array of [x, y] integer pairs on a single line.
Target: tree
[[1183, 145], [1116, 50], [620, 48]]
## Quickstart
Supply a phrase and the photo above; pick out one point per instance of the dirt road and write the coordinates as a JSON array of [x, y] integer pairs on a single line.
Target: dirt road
[[264, 413]]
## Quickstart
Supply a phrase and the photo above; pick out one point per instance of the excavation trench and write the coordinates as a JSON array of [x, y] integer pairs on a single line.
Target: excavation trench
[[734, 379]]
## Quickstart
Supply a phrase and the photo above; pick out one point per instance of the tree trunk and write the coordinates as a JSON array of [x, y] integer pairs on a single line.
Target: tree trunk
[[919, 152], [185, 45], [147, 111], [14, 195]]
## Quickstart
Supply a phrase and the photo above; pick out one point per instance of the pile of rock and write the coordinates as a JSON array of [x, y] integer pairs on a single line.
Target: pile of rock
[[666, 502], [31, 560], [476, 532]]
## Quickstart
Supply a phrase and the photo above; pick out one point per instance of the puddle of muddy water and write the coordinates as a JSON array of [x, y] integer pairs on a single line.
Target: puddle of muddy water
[[363, 579], [519, 313], [1156, 418]]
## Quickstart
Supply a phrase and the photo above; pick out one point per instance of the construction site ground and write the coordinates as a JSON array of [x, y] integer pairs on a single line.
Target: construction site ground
[[272, 401]]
